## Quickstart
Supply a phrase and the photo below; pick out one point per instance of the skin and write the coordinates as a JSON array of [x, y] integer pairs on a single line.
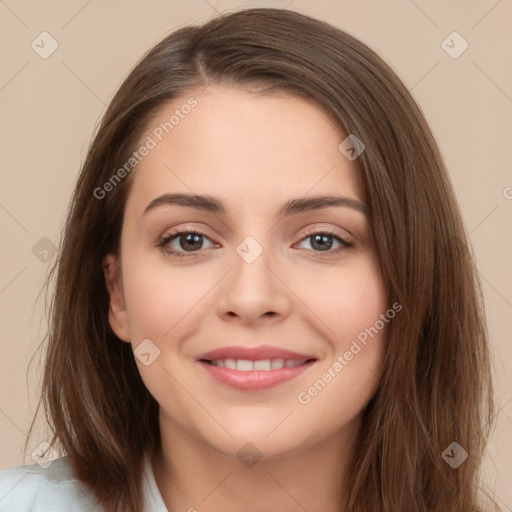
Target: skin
[[253, 152]]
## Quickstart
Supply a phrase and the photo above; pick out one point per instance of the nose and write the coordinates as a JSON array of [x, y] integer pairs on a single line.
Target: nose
[[254, 292]]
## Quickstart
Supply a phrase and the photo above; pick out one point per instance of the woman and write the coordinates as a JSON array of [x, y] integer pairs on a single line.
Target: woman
[[264, 297]]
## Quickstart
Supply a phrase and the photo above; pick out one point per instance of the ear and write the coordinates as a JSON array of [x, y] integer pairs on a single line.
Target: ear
[[117, 314]]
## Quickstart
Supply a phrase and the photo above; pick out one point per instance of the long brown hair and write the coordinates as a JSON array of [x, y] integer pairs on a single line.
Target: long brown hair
[[436, 385]]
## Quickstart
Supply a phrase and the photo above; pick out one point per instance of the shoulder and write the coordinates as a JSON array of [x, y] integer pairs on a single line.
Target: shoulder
[[38, 489]]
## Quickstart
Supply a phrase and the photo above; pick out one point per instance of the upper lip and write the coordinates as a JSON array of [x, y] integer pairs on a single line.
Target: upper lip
[[253, 354]]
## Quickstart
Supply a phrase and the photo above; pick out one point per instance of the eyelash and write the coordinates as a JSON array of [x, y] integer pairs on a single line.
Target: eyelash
[[163, 242]]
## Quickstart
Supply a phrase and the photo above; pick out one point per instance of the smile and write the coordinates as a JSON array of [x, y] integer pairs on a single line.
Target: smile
[[257, 375], [245, 365]]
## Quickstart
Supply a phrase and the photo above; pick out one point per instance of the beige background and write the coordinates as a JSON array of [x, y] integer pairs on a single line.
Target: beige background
[[49, 108]]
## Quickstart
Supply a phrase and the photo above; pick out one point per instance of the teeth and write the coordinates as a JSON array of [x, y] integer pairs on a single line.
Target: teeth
[[245, 365], [277, 363], [263, 365], [229, 363]]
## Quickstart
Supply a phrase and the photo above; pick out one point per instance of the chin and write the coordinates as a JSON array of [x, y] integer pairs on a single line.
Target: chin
[[250, 449]]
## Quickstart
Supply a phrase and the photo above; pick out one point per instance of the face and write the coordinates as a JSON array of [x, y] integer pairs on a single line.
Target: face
[[216, 296]]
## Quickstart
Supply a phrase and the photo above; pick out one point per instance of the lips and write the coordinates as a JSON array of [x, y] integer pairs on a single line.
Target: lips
[[253, 369]]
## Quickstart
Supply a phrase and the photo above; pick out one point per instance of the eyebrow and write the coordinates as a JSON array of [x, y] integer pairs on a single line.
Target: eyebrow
[[292, 207]]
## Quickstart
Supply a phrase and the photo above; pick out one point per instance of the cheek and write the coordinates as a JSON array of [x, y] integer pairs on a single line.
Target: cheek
[[347, 299], [164, 306], [353, 304], [161, 300]]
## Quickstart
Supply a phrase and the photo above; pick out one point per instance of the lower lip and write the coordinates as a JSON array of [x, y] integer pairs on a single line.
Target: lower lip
[[254, 380]]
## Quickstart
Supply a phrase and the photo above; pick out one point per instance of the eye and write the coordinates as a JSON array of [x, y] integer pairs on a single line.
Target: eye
[[184, 241], [179, 243], [323, 241]]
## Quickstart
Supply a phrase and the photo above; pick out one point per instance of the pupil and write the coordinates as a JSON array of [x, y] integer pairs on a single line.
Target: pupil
[[190, 239], [321, 241]]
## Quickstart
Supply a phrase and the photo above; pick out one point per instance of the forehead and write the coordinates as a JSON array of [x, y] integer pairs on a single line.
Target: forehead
[[247, 148]]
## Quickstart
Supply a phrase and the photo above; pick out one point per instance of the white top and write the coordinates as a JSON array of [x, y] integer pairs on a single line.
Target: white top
[[35, 489]]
